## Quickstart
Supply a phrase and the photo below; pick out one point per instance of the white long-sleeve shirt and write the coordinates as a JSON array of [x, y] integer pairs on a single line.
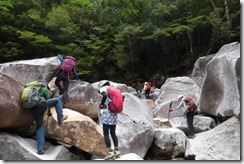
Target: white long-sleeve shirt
[[182, 105]]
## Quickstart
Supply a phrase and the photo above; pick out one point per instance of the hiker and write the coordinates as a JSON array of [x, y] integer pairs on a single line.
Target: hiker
[[64, 75], [109, 121], [188, 112], [147, 89], [38, 113], [139, 93]]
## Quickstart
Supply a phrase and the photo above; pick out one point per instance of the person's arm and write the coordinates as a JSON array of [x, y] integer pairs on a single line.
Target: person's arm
[[144, 87], [104, 94], [60, 58], [75, 73], [182, 104], [45, 93]]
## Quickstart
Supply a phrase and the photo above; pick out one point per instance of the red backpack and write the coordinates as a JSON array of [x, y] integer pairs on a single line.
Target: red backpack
[[116, 97], [190, 104], [68, 64], [149, 85]]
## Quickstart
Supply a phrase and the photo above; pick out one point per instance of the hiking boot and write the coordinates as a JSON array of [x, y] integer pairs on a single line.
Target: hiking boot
[[116, 153], [61, 92], [40, 152], [64, 118], [110, 155]]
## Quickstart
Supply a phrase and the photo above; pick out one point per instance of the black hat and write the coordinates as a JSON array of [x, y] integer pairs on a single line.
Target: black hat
[[104, 84]]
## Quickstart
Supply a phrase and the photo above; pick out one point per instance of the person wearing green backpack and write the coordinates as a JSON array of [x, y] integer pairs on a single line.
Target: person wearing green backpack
[[39, 110]]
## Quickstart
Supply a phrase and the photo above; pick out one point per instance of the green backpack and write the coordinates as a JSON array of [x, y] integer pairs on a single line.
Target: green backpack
[[30, 95]]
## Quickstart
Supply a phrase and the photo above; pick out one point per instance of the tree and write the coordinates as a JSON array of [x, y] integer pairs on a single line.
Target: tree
[[119, 39]]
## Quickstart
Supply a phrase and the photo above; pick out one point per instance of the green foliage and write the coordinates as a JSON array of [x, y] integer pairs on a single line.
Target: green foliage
[[4, 6], [59, 22], [35, 15], [10, 50], [33, 38], [220, 30], [162, 11], [66, 48], [118, 39]]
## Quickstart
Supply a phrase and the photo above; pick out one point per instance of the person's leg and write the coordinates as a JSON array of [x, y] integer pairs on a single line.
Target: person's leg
[[57, 83], [66, 87], [106, 135], [115, 140], [37, 113], [56, 102], [147, 94], [189, 118], [110, 152], [40, 137], [113, 135]]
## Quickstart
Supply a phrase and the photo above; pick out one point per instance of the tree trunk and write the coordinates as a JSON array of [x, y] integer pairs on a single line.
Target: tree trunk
[[215, 8], [190, 42], [227, 14], [131, 55]]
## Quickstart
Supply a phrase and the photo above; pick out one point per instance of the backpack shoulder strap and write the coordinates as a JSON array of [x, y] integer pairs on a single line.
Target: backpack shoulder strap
[[33, 84], [187, 99]]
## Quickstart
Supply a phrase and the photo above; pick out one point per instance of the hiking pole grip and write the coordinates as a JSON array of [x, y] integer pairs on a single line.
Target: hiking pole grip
[[170, 106]]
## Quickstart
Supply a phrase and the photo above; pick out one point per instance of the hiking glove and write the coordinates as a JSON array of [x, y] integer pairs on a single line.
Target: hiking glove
[[171, 110]]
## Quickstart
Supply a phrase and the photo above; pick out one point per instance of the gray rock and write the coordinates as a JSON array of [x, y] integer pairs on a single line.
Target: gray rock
[[26, 71], [14, 147], [219, 143], [220, 93]]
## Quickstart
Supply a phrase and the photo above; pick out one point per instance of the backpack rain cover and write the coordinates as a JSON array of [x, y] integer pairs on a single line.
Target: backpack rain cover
[[68, 64], [30, 96], [116, 97]]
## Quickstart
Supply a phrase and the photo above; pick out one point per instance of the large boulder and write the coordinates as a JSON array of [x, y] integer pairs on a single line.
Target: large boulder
[[127, 157], [135, 129], [14, 147], [11, 114], [121, 87], [200, 69], [168, 143], [220, 143], [78, 130], [220, 94], [83, 98], [200, 123], [170, 91], [26, 71]]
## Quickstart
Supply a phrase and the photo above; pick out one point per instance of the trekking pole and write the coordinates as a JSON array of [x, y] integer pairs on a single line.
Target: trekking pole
[[170, 105]]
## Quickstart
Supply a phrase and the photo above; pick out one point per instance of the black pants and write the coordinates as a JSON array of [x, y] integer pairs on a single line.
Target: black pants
[[189, 118], [38, 113], [111, 129], [63, 90], [147, 92]]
